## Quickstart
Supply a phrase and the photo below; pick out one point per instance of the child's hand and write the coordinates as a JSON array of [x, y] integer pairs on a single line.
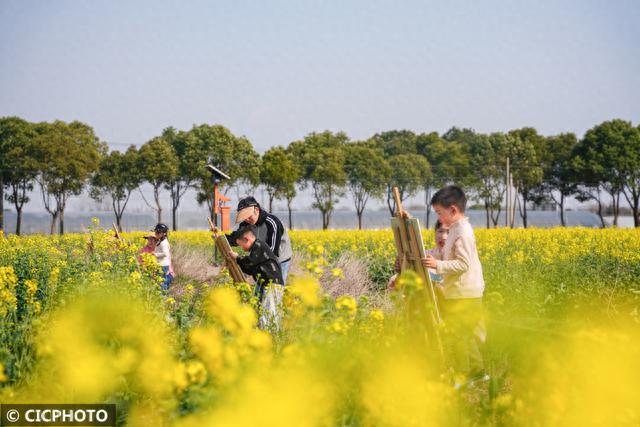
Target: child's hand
[[392, 282], [234, 255], [429, 261]]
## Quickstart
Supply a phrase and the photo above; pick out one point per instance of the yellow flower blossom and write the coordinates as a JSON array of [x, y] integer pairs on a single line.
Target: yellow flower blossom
[[347, 304]]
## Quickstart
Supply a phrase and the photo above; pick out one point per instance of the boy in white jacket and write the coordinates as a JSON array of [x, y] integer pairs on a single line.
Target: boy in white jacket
[[463, 283]]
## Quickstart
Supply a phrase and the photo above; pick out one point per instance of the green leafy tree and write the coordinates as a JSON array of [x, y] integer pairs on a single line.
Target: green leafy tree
[[68, 154], [235, 156], [409, 172], [590, 180], [448, 159], [118, 175], [461, 135], [321, 157], [395, 142], [631, 171], [18, 166], [606, 155], [186, 148], [559, 176], [488, 157], [367, 175], [278, 173], [525, 152], [296, 177], [158, 165]]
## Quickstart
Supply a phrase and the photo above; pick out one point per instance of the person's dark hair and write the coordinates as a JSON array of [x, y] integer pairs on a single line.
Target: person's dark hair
[[438, 225], [450, 196], [246, 228]]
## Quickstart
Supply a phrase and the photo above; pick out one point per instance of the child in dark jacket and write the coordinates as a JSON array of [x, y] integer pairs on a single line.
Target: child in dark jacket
[[261, 263]]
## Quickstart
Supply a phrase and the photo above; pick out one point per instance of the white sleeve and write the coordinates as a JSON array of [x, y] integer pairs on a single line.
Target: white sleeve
[[163, 253], [461, 262]]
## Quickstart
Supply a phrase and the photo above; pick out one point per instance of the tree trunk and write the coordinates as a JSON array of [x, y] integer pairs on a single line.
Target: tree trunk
[[427, 202], [175, 201], [54, 220], [270, 203], [359, 213], [634, 202], [174, 219], [119, 222], [212, 214], [115, 206], [495, 219], [329, 209], [18, 220], [156, 196], [600, 213], [389, 199], [486, 210], [616, 208], [326, 218], [562, 220], [61, 219], [290, 217]]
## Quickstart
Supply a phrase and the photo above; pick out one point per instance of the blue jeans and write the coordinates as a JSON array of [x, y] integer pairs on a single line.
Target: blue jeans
[[168, 278], [284, 266]]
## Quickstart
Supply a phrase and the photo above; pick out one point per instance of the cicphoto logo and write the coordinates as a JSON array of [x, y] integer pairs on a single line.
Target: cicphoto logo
[[58, 415]]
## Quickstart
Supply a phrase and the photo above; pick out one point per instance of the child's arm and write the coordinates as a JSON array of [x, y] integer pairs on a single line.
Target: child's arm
[[245, 264], [462, 251], [162, 251]]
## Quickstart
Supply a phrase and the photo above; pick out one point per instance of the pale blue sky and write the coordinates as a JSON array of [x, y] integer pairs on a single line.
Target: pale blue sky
[[274, 71]]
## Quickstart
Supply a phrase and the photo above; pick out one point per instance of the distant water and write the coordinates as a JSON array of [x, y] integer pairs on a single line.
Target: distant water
[[78, 222]]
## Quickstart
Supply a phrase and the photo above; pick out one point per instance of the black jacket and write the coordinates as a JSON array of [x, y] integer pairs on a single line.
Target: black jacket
[[262, 265], [270, 230]]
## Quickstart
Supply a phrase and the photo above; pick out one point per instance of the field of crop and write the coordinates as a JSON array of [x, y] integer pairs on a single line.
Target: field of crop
[[81, 320]]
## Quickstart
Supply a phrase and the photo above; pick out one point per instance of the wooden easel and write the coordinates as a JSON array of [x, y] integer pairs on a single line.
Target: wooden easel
[[117, 233], [222, 244], [410, 247]]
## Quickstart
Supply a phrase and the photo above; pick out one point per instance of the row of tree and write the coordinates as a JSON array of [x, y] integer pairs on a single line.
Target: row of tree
[[64, 159]]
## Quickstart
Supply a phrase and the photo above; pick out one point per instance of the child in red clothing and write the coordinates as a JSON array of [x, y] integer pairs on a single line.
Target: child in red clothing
[[149, 247]]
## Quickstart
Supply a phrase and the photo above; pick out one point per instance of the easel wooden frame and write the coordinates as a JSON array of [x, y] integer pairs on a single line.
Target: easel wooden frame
[[222, 244], [410, 247], [117, 233]]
